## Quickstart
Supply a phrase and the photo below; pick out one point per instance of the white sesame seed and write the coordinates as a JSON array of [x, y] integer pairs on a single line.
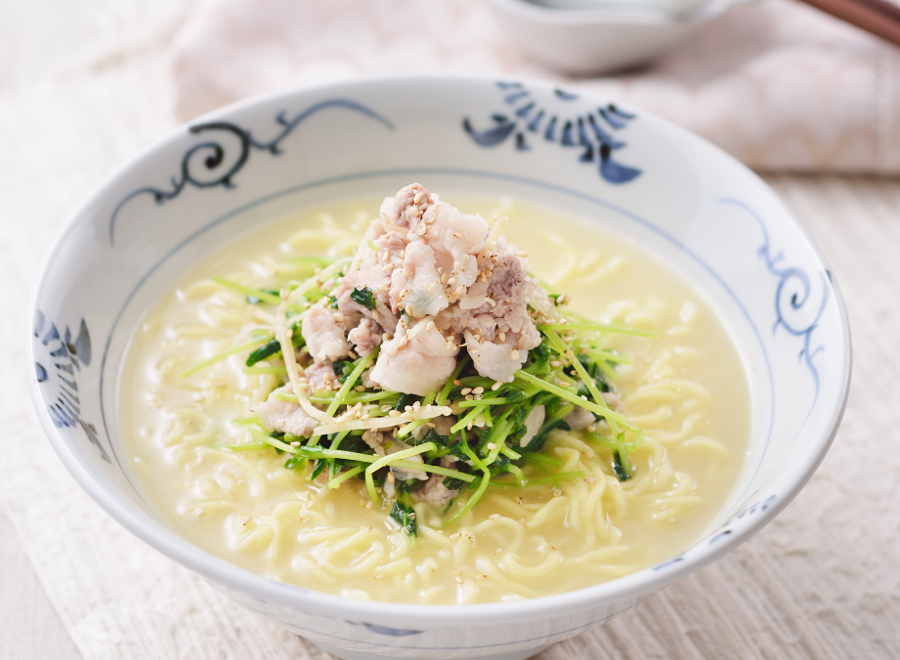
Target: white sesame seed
[[478, 390], [465, 390], [496, 386], [491, 446], [494, 516]]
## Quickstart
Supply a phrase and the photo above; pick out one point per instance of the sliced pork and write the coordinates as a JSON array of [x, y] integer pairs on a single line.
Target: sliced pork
[[284, 416]]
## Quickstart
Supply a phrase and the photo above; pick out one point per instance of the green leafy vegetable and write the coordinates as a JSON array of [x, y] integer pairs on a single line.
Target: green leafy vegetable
[[363, 296], [488, 436], [404, 514], [621, 466]]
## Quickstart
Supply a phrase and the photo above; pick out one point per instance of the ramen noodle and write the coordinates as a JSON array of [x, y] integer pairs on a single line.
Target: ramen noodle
[[570, 496]]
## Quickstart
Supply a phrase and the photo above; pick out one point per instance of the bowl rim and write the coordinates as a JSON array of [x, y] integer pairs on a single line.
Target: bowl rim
[[633, 587], [611, 16]]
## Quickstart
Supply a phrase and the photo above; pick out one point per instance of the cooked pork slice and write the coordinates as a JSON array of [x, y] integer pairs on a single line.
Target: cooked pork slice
[[417, 287], [375, 439], [366, 336], [434, 491], [277, 415], [417, 361], [580, 418], [405, 474], [442, 425], [433, 267], [499, 332], [455, 238], [613, 401], [499, 361], [320, 373], [406, 207], [324, 337], [372, 277], [533, 424]]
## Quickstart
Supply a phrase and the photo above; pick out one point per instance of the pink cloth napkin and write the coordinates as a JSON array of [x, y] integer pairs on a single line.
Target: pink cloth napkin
[[779, 85]]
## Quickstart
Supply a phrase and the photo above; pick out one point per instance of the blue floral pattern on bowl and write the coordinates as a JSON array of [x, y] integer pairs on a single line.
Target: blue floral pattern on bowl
[[587, 130], [64, 355], [216, 163]]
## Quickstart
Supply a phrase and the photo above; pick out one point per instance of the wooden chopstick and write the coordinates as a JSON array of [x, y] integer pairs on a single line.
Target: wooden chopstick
[[879, 17]]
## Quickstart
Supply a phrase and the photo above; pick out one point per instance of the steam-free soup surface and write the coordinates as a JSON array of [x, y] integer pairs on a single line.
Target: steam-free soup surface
[[686, 389]]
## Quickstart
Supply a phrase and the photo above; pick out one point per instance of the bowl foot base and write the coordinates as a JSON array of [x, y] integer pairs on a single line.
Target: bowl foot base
[[426, 655]]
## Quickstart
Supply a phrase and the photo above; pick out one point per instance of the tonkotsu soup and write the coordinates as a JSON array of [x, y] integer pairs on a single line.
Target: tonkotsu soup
[[454, 422]]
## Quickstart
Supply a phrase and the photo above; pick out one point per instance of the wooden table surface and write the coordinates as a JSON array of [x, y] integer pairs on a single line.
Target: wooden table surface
[[822, 581]]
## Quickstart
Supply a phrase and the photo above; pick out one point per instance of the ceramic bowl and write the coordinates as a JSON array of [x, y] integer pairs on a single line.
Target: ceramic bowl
[[609, 37], [682, 199]]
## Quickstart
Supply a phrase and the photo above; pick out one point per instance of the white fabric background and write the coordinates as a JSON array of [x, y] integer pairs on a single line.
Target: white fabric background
[[778, 84], [822, 581]]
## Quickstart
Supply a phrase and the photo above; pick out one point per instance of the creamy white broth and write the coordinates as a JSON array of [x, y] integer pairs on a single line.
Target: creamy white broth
[[686, 389]]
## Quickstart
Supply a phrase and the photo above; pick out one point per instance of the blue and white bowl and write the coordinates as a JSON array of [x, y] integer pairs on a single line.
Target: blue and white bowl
[[595, 37], [653, 182]]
